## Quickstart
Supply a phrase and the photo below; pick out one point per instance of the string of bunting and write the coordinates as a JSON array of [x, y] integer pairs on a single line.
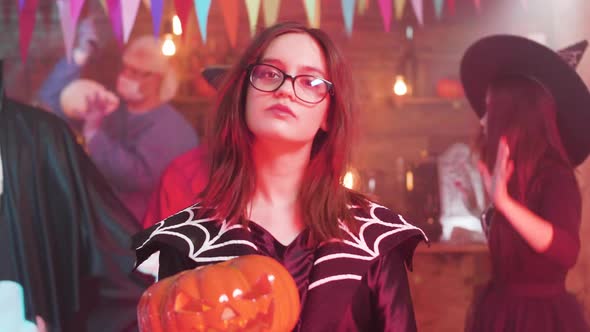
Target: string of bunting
[[123, 13]]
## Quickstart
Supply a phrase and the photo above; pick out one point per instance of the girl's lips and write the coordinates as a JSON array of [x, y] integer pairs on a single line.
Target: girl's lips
[[281, 110]]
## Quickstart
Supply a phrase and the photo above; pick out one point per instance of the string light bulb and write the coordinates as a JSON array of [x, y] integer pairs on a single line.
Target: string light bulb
[[409, 181], [176, 26], [351, 179], [400, 88], [168, 46], [348, 180]]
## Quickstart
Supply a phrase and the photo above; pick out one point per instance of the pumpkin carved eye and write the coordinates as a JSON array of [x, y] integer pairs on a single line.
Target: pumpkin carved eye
[[185, 302], [248, 293]]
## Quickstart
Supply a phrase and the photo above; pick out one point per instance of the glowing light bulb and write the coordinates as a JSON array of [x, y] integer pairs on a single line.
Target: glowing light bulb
[[348, 180], [409, 181], [176, 26], [399, 87], [168, 47]]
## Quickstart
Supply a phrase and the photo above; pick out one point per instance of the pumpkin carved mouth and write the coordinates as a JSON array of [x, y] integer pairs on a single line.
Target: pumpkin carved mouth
[[238, 295]]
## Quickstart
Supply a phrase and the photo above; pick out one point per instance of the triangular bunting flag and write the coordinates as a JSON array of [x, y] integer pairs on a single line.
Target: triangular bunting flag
[[21, 5], [438, 8], [419, 10], [68, 30], [312, 9], [202, 9], [362, 6], [477, 4], [147, 4], [253, 7], [76, 9], [270, 9], [385, 8], [47, 15], [7, 8], [400, 6], [183, 9], [26, 25], [451, 6], [157, 9], [128, 14], [229, 9], [103, 5], [348, 13], [116, 19]]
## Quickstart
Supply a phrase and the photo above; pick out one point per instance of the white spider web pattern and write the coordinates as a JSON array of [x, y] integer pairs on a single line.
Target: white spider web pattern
[[359, 242]]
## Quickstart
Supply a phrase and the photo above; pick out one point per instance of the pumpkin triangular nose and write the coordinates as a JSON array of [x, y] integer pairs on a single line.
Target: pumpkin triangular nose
[[228, 313]]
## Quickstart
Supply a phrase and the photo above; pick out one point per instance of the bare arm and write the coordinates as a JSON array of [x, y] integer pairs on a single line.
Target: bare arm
[[554, 231]]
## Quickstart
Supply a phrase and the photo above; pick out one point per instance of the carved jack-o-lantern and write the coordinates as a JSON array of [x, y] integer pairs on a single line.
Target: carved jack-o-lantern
[[248, 293], [449, 88]]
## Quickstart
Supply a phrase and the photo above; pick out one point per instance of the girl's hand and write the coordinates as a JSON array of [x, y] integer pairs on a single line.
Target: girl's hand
[[41, 326], [496, 183]]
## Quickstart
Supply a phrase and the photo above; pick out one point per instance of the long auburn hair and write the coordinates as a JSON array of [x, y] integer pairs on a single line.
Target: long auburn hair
[[323, 201], [522, 110]]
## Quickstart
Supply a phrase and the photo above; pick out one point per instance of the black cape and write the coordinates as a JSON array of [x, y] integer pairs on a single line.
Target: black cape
[[64, 236], [358, 283]]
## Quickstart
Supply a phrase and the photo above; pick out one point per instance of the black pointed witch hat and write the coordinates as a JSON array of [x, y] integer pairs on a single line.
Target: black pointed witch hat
[[214, 74], [492, 57]]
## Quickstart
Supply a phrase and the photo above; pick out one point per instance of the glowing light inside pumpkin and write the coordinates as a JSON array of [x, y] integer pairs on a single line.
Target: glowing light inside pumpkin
[[168, 47], [237, 292], [228, 314], [176, 26], [223, 298]]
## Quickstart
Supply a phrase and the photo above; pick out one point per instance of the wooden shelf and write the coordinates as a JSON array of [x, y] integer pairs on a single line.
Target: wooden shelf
[[449, 248]]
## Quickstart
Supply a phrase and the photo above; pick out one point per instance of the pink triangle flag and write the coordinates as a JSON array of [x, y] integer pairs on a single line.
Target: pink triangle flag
[[76, 9], [477, 4], [385, 7], [183, 9], [418, 6], [128, 14], [67, 28], [26, 25], [116, 19]]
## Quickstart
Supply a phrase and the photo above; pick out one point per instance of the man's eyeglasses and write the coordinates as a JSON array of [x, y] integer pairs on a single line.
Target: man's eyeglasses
[[308, 88], [133, 72]]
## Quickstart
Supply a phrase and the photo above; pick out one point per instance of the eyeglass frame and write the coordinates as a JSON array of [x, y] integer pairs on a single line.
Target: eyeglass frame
[[329, 84]]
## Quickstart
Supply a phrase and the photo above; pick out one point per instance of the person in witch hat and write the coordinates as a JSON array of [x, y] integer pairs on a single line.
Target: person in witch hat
[[535, 110]]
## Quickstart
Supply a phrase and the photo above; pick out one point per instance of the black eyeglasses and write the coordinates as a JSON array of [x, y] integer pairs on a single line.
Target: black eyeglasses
[[308, 88]]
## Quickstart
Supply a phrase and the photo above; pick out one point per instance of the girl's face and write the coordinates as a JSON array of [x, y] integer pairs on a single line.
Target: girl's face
[[294, 112]]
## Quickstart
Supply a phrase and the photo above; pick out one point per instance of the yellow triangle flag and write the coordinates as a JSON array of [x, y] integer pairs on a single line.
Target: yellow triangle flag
[[253, 7], [312, 8], [362, 6], [400, 5], [270, 9]]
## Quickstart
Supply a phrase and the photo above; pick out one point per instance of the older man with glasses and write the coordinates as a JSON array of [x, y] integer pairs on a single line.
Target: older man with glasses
[[131, 143]]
